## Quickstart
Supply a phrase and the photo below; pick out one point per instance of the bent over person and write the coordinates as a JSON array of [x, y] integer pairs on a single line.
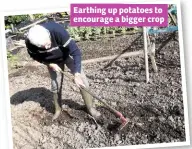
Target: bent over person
[[50, 44]]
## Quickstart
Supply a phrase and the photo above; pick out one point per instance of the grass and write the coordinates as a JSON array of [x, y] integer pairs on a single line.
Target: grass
[[12, 60]]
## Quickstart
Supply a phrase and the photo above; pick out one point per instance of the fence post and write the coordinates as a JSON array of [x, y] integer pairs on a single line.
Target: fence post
[[146, 54], [152, 50]]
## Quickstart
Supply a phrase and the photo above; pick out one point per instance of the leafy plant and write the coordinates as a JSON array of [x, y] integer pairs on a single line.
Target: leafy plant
[[12, 59], [38, 16], [9, 55], [123, 30], [74, 32], [16, 19], [96, 32], [104, 30], [88, 32]]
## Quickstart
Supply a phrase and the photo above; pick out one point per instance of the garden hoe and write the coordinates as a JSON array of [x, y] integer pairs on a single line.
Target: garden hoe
[[123, 120]]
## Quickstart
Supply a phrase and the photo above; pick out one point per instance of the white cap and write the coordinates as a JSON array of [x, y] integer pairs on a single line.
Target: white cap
[[38, 35]]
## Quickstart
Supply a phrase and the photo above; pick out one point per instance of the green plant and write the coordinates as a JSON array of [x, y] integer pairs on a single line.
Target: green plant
[[112, 31], [12, 59], [74, 32], [123, 30], [38, 16], [9, 55], [16, 19], [104, 30], [87, 32], [96, 32], [7, 27]]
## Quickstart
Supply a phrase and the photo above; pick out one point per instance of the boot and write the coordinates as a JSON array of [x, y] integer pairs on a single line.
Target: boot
[[88, 99], [57, 106]]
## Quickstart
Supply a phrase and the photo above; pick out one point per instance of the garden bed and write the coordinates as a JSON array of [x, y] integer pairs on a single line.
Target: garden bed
[[155, 109]]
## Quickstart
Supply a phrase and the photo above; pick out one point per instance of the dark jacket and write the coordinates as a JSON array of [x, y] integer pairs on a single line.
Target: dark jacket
[[59, 36]]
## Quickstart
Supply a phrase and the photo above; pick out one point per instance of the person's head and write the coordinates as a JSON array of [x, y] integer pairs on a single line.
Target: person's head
[[39, 36]]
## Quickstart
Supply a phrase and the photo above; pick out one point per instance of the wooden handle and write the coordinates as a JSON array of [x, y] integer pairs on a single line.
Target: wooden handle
[[88, 91]]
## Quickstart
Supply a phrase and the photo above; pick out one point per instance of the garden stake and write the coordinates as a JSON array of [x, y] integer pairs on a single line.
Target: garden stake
[[123, 120]]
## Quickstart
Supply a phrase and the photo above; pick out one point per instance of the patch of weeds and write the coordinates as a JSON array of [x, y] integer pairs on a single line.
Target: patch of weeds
[[12, 60]]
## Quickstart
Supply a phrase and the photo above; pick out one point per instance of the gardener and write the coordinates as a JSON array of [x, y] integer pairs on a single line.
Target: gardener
[[42, 42]]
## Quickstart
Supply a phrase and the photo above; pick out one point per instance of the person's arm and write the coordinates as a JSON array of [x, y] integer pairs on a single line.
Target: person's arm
[[62, 36], [75, 52]]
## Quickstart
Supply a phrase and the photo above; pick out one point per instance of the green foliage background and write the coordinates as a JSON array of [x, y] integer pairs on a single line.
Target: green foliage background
[[17, 19]]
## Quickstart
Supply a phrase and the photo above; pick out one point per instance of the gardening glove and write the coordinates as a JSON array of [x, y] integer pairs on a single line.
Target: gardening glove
[[55, 67], [78, 80]]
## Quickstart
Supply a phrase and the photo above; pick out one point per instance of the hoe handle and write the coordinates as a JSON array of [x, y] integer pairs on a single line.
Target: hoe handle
[[117, 113]]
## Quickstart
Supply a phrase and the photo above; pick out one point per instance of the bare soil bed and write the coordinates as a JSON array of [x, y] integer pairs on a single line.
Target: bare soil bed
[[155, 109]]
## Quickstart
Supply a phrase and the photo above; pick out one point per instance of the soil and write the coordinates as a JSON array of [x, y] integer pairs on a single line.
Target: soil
[[154, 110]]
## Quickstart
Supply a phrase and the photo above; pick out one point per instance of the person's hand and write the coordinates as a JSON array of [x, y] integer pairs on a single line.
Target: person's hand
[[78, 80], [55, 67]]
